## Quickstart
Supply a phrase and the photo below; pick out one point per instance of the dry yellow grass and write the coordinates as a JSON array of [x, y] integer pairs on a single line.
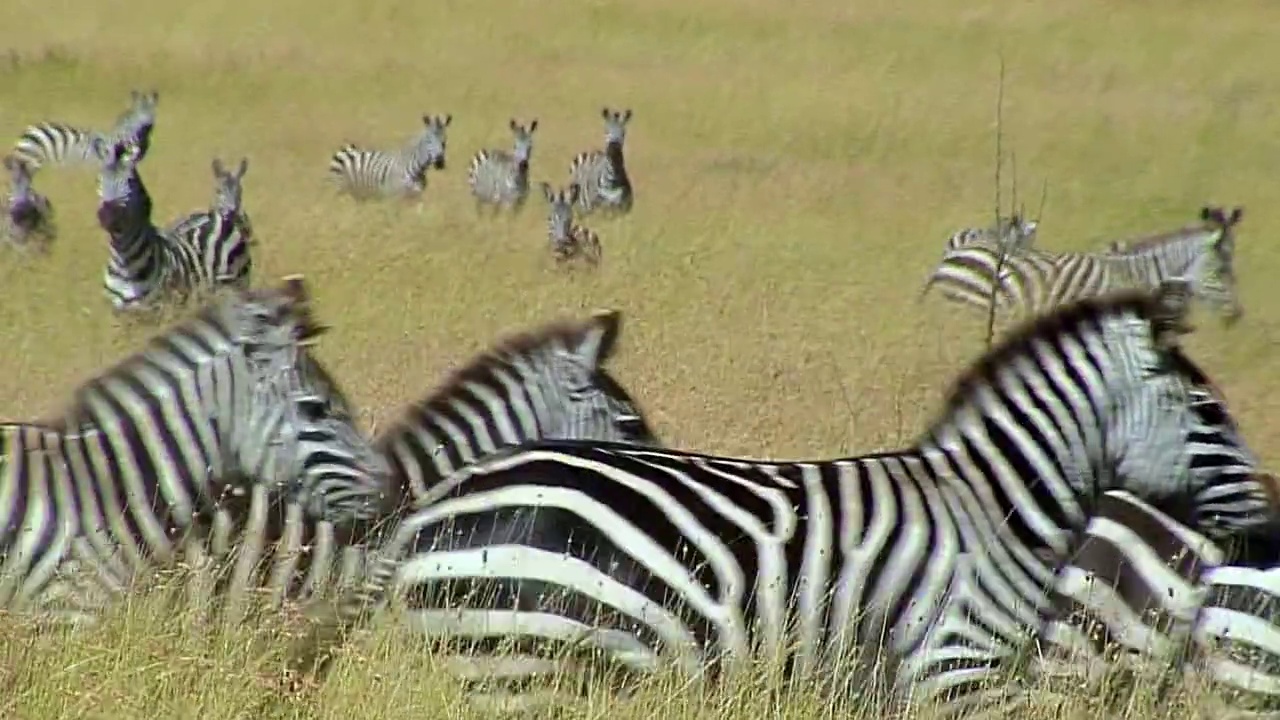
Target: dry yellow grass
[[797, 167]]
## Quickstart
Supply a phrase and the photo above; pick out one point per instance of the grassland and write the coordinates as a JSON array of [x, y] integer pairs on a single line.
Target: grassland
[[797, 166]]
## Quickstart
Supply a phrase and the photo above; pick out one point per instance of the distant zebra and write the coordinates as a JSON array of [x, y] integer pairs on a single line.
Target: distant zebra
[[1014, 233], [55, 143], [367, 174], [28, 215], [568, 239], [936, 558], [223, 228], [136, 470], [499, 178], [148, 267], [602, 174], [550, 382], [1034, 280]]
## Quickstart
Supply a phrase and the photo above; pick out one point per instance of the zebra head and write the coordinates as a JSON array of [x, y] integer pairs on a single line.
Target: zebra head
[[615, 125], [228, 187], [122, 200], [523, 149], [136, 123], [431, 145], [297, 437], [1171, 437], [1212, 273]]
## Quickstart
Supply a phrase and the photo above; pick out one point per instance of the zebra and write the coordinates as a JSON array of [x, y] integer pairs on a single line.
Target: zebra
[[568, 239], [55, 143], [499, 178], [136, 470], [28, 222], [147, 267], [550, 382], [1012, 232], [1034, 280], [225, 227], [366, 174], [602, 174], [945, 549]]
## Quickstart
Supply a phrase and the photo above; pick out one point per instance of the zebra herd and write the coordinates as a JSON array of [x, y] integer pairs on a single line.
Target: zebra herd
[[150, 265], [1084, 490]]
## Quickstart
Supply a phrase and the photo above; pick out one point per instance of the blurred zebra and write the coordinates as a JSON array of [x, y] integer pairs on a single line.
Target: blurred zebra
[[147, 267], [568, 239], [550, 382], [134, 472], [367, 174], [602, 174], [1034, 280], [55, 143], [27, 222], [499, 178], [934, 561]]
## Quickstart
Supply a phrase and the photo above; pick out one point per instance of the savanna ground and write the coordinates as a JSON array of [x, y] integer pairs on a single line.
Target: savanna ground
[[797, 167]]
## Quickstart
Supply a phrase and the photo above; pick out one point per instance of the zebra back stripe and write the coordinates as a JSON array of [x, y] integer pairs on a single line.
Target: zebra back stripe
[[56, 143]]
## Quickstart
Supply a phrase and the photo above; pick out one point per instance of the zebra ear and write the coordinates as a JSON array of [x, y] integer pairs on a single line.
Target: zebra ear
[[533, 125], [513, 124], [599, 337], [604, 113], [1236, 214], [1171, 305], [626, 115], [244, 168]]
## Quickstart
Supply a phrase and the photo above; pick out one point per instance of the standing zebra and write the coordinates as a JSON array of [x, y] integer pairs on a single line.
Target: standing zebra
[[223, 228], [1034, 280], [499, 178], [547, 383], [28, 215], [146, 266], [136, 469], [568, 239], [55, 143], [602, 174], [937, 557], [367, 174]]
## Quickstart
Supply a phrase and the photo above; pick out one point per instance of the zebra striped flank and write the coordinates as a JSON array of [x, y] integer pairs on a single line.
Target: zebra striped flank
[[499, 178], [56, 143], [26, 216], [368, 174], [549, 382], [602, 174], [929, 565], [137, 469], [569, 240]]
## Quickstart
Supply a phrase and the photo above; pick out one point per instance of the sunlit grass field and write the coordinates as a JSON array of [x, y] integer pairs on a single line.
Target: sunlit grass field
[[797, 168]]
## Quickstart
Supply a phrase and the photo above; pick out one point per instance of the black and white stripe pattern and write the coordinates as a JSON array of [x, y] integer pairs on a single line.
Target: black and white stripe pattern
[[367, 174], [139, 466], [27, 222], [938, 557], [1035, 280], [55, 143], [548, 383], [224, 232], [499, 178], [568, 239], [147, 266], [1012, 233], [602, 174]]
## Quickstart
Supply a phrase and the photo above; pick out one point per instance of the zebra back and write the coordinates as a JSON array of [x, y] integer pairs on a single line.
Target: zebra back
[[28, 222], [1011, 233], [602, 174], [568, 239], [548, 382], [56, 143]]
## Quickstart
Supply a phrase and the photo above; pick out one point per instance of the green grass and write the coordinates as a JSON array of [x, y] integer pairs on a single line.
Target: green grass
[[798, 166]]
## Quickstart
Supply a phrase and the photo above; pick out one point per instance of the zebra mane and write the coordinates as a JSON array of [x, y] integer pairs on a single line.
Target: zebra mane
[[1064, 321], [1148, 241]]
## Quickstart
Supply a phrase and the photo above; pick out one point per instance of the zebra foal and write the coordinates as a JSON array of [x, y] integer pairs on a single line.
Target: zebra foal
[[568, 239], [148, 267], [367, 174], [56, 143], [140, 466], [499, 178], [27, 222], [939, 557]]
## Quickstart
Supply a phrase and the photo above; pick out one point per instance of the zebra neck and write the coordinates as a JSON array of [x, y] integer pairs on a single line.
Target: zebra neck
[[613, 151]]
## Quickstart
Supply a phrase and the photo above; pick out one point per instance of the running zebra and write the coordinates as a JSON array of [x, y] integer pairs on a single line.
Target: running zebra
[[1034, 280], [499, 178], [136, 470], [223, 228], [54, 143], [148, 267], [937, 558], [28, 215], [568, 239], [368, 174], [602, 174], [550, 382]]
